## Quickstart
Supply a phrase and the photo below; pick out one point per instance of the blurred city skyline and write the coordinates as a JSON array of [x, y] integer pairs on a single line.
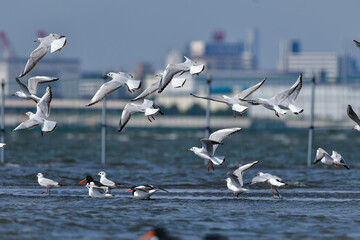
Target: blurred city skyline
[[117, 35]]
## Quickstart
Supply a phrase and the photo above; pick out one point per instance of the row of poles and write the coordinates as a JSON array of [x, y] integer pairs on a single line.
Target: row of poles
[[207, 117]]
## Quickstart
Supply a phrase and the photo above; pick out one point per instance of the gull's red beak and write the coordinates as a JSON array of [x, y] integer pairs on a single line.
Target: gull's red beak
[[188, 150], [82, 181]]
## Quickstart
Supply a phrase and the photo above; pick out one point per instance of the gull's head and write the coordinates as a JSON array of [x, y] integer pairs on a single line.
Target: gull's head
[[16, 93], [227, 180], [39, 175], [259, 174], [110, 74], [38, 40], [101, 174], [357, 128], [29, 113], [192, 149]]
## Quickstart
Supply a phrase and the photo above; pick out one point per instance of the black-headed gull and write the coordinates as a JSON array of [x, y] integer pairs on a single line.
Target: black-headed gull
[[357, 43], [2, 145], [209, 146], [41, 115], [235, 181], [148, 107], [234, 102], [176, 82], [29, 91], [47, 183], [52, 43], [118, 80], [272, 180], [110, 184], [282, 101], [335, 158], [178, 69], [97, 192], [144, 192], [353, 117]]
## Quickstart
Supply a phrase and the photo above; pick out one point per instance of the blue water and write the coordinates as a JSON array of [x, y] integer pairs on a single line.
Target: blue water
[[320, 202]]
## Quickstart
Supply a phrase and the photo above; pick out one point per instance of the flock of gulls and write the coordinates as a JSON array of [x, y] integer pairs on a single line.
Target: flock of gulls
[[280, 103]]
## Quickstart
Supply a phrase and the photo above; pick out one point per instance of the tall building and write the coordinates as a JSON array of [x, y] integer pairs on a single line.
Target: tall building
[[334, 66], [221, 55]]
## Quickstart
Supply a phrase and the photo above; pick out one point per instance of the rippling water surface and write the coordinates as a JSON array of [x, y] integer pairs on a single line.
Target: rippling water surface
[[319, 202]]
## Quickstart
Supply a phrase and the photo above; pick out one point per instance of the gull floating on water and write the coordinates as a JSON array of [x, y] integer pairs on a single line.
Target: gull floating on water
[[144, 192], [273, 180], [282, 101], [148, 107], [335, 158], [118, 80], [41, 115], [176, 83], [47, 183], [52, 43], [110, 184], [234, 101], [353, 117], [210, 145], [29, 91], [357, 43], [178, 69], [235, 179], [96, 189]]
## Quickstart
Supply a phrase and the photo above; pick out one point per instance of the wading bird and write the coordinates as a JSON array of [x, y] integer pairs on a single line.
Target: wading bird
[[47, 183]]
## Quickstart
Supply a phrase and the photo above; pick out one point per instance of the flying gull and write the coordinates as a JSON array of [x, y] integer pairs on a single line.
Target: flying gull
[[353, 117], [2, 145], [234, 101], [210, 145], [29, 91], [357, 43], [52, 43], [148, 107], [118, 80], [41, 115], [47, 183], [335, 158], [178, 69], [235, 179], [282, 101], [144, 192], [273, 180], [176, 82]]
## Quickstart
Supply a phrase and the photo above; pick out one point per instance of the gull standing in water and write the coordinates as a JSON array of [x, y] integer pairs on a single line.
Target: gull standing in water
[[29, 91], [144, 192], [41, 115], [353, 117], [234, 101], [176, 83], [118, 80], [52, 43], [282, 101], [335, 158], [179, 68], [47, 183], [148, 107], [210, 145], [103, 180], [235, 181], [273, 180]]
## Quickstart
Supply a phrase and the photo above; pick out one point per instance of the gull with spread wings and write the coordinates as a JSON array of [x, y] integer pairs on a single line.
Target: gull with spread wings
[[354, 117], [209, 146], [41, 115], [235, 181], [273, 180], [234, 102], [335, 158], [52, 43], [282, 101], [29, 91]]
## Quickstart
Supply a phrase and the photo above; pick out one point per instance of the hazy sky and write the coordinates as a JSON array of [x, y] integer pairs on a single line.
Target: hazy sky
[[114, 34]]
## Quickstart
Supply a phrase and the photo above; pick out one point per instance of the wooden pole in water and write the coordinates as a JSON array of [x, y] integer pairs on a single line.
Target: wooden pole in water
[[2, 153], [311, 127], [103, 131]]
